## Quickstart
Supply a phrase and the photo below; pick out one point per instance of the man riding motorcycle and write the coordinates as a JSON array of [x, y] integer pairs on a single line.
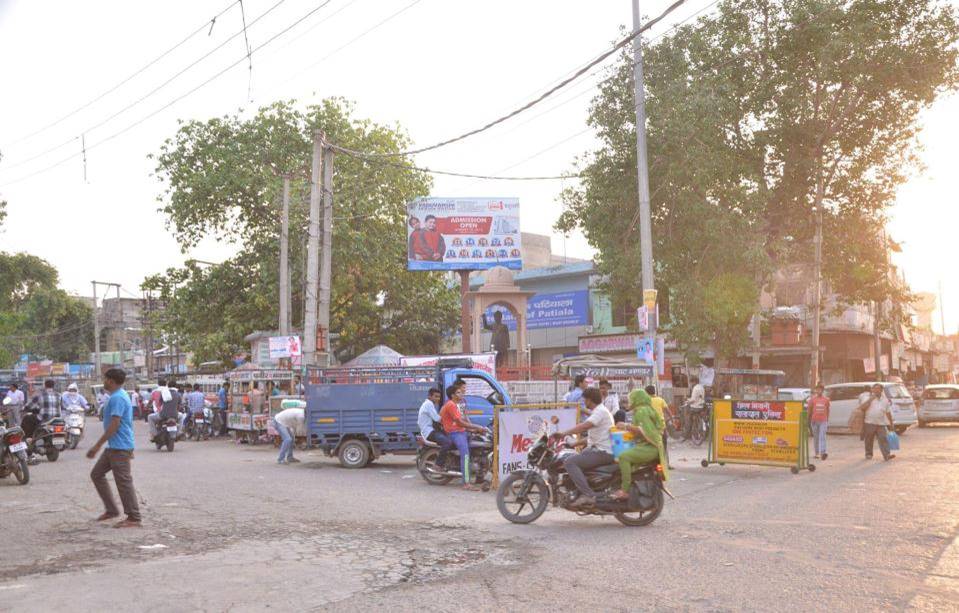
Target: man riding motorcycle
[[73, 399], [599, 446], [168, 401]]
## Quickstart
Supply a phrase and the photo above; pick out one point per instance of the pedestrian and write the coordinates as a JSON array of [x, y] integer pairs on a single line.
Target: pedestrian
[[877, 413], [256, 398], [287, 423], [222, 397], [659, 405], [611, 400], [17, 400], [456, 426], [575, 395], [298, 388], [118, 435], [48, 401], [818, 407]]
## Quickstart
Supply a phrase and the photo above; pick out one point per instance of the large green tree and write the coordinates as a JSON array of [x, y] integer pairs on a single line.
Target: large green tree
[[757, 114], [222, 180]]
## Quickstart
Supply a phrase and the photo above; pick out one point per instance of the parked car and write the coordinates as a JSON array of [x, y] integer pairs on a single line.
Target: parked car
[[939, 403], [844, 398], [793, 393]]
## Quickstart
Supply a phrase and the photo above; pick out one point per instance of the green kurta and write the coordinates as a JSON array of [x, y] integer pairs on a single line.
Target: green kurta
[[647, 419]]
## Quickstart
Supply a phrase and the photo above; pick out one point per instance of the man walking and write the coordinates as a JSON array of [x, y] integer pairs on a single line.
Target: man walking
[[223, 405], [118, 434], [818, 407], [878, 414], [17, 400]]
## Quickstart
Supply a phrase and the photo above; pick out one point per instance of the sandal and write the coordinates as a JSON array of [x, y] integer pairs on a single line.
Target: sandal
[[619, 495], [469, 487], [108, 516], [128, 523]]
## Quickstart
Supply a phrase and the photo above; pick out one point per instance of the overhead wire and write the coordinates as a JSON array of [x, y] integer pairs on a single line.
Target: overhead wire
[[171, 102], [126, 80]]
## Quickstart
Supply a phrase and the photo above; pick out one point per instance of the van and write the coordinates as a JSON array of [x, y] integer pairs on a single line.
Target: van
[[939, 403], [844, 398]]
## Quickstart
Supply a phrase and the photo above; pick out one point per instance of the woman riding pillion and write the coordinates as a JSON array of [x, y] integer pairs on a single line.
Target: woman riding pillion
[[647, 427]]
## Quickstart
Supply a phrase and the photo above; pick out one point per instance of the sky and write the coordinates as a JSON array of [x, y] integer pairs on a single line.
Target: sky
[[435, 67]]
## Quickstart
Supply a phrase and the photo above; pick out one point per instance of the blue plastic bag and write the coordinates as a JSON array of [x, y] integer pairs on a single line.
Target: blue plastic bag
[[893, 439]]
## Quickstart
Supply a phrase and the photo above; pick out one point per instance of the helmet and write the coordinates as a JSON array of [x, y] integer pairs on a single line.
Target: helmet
[[72, 387]]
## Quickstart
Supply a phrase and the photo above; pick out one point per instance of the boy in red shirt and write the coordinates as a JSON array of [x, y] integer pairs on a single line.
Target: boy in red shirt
[[818, 406], [456, 426]]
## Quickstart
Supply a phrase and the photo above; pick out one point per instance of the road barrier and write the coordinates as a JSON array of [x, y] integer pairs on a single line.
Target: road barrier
[[764, 433]]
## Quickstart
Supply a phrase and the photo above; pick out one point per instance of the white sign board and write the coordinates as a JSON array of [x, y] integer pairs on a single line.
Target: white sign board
[[285, 347], [481, 361], [518, 429]]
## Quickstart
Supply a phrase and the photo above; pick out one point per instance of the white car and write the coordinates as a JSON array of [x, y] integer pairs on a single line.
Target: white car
[[793, 393], [939, 403], [844, 398]]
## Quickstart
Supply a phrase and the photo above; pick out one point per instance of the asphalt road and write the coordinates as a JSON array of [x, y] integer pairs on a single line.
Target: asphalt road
[[226, 528]]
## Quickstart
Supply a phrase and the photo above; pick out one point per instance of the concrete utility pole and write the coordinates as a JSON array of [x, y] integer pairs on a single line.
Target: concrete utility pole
[[815, 354], [465, 319], [877, 342], [942, 311], [123, 327], [285, 260], [96, 332], [312, 258], [642, 173], [326, 261]]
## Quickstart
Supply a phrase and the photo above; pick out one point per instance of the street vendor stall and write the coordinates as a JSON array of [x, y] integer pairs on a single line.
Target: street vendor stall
[[624, 375], [249, 416]]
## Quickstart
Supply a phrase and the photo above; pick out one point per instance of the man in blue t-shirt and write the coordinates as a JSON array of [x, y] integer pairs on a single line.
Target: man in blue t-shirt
[[118, 435]]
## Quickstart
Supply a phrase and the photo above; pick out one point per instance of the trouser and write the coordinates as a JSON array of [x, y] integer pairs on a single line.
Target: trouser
[[632, 457], [819, 436], [152, 420], [879, 432], [118, 461], [445, 444], [462, 442], [589, 458], [286, 447], [223, 430], [12, 415]]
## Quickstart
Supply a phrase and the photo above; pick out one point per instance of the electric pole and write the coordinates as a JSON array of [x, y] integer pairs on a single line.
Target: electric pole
[[326, 261], [123, 328], [312, 258], [642, 174], [285, 260], [96, 332], [817, 293]]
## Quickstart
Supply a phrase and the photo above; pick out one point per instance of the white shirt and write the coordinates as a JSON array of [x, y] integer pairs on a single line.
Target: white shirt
[[16, 397], [293, 419], [877, 410], [698, 396], [598, 435], [611, 402], [426, 416]]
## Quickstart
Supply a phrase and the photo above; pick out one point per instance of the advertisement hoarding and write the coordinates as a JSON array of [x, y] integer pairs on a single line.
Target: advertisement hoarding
[[463, 234], [285, 347], [756, 432], [481, 361], [518, 428], [555, 310]]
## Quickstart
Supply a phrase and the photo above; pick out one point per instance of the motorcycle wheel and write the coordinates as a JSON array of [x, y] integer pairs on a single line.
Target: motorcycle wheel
[[52, 454], [159, 444], [674, 427], [169, 443], [642, 518], [428, 458], [698, 431], [21, 471], [197, 434], [511, 504], [74, 441]]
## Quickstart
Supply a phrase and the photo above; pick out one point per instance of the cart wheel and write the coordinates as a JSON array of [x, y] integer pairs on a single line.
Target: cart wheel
[[812, 468], [794, 470], [704, 464]]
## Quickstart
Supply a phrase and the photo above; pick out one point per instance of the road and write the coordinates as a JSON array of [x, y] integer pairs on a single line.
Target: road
[[226, 528]]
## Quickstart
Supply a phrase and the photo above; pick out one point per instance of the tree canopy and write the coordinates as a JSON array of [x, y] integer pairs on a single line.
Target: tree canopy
[[222, 180], [755, 115]]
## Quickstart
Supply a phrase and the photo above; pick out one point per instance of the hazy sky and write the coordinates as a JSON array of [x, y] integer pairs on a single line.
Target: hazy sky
[[437, 68]]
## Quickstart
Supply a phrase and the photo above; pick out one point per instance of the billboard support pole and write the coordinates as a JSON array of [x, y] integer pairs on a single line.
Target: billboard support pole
[[465, 311], [313, 256]]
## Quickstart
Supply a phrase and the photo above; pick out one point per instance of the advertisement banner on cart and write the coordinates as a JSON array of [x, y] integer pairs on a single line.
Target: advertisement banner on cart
[[481, 361], [758, 432], [463, 234], [517, 428]]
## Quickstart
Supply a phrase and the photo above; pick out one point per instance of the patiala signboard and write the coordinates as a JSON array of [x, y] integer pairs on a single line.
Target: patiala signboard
[[517, 428], [463, 234], [759, 432], [555, 310]]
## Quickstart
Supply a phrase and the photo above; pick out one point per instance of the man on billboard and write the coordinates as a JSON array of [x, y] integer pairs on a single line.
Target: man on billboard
[[427, 243]]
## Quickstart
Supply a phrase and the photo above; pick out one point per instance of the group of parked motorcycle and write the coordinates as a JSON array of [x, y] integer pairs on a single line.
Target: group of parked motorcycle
[[50, 437]]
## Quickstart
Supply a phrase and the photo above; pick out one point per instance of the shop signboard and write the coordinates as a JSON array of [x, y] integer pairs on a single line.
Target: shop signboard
[[609, 343], [517, 428], [285, 347], [239, 421], [612, 372], [463, 234], [553, 310], [60, 368], [759, 432], [261, 375]]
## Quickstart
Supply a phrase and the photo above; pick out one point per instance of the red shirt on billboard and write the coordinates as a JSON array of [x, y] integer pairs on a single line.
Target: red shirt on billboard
[[427, 243]]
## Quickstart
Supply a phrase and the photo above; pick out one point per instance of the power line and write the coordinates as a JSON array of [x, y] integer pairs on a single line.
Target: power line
[[64, 330], [622, 43], [152, 91], [138, 72], [172, 102]]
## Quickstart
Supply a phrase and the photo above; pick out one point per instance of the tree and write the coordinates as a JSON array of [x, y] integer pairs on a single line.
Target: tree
[[222, 180], [756, 116]]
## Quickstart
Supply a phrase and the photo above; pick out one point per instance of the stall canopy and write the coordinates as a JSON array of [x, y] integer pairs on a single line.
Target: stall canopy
[[381, 355], [597, 366]]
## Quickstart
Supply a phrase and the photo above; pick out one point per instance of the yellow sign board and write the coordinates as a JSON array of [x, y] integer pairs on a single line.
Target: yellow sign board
[[759, 432]]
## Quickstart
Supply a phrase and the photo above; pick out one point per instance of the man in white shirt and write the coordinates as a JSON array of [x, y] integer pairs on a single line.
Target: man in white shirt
[[428, 420], [288, 422], [878, 415], [599, 446], [611, 401], [17, 400]]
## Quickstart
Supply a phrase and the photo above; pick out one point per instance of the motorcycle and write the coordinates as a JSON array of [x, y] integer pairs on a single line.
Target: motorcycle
[[198, 426], [481, 461], [13, 454], [548, 482], [75, 422], [166, 434], [49, 439]]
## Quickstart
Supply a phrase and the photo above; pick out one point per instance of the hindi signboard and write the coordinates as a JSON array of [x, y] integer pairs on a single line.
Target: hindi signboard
[[463, 234], [554, 310], [759, 432], [517, 428]]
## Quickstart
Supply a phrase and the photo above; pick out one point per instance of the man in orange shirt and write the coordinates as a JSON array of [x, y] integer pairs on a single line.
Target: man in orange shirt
[[818, 406], [456, 426]]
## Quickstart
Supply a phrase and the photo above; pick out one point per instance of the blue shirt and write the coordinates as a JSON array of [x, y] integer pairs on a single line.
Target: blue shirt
[[426, 417], [222, 396], [119, 406], [195, 402]]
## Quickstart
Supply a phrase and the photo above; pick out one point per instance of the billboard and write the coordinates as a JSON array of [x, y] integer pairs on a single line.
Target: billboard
[[284, 347], [481, 361], [463, 234], [758, 432], [557, 310], [517, 429]]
